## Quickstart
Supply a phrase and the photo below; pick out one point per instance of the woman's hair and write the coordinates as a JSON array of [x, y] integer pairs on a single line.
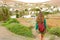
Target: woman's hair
[[40, 17]]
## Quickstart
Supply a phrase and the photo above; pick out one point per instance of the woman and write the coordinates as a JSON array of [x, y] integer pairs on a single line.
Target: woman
[[41, 24]]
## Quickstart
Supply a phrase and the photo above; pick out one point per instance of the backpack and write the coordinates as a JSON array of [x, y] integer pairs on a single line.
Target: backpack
[[41, 27]]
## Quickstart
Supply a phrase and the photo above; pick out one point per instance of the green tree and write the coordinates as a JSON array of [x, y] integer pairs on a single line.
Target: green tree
[[17, 15], [4, 13]]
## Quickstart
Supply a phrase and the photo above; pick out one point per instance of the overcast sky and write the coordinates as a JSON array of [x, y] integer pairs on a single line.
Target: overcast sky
[[33, 1]]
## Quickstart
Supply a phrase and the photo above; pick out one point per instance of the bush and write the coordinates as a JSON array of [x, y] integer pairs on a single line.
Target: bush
[[1, 18], [20, 29], [46, 13], [14, 26], [17, 15], [55, 31], [4, 13], [10, 21]]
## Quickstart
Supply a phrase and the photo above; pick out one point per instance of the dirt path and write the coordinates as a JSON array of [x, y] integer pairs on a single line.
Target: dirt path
[[7, 35]]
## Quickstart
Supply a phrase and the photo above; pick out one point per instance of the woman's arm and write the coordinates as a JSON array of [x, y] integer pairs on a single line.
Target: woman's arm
[[36, 26], [45, 23]]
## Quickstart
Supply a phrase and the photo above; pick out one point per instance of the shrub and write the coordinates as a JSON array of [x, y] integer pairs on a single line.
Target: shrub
[[20, 29], [14, 26], [1, 18], [46, 13], [17, 15], [55, 31], [10, 21], [4, 13]]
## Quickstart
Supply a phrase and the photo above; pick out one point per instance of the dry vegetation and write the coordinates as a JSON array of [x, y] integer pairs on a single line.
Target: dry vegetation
[[51, 22], [25, 21]]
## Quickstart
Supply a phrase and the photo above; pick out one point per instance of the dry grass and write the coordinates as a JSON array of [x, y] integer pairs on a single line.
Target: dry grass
[[52, 22], [25, 21]]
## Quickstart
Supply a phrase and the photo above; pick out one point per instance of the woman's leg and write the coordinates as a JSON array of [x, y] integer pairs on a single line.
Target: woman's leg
[[42, 36]]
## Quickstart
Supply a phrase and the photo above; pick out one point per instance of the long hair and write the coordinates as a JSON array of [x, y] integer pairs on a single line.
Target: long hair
[[40, 17]]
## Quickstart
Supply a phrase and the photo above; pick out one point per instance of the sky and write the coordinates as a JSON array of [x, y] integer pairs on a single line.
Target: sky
[[32, 1]]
